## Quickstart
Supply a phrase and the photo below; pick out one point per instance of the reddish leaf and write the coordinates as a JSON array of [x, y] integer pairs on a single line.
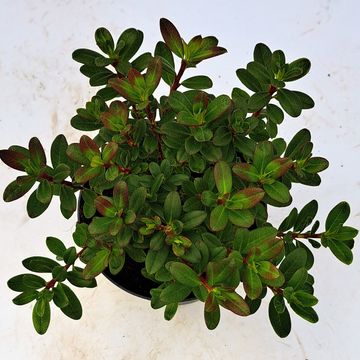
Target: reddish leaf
[[235, 303], [171, 37], [14, 159], [136, 80], [124, 88], [109, 151], [116, 118], [270, 249], [120, 195], [245, 199], [278, 167], [246, 172], [37, 153], [74, 153], [88, 147], [105, 207], [84, 174]]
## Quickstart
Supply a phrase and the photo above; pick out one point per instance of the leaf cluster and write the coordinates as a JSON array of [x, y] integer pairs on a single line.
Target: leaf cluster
[[181, 183]]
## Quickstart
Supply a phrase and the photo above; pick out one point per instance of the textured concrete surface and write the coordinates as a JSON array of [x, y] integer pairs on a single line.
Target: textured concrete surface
[[40, 89]]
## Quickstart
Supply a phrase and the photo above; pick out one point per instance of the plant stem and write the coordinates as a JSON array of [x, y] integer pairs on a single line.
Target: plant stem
[[176, 82], [295, 235], [151, 118], [53, 281], [271, 91]]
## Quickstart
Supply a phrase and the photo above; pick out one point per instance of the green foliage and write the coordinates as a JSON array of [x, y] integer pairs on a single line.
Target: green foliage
[[182, 183]]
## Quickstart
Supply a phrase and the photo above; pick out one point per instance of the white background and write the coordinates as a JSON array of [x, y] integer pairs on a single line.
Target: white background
[[41, 88]]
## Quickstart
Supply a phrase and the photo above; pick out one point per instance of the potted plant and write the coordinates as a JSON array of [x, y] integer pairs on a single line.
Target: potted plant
[[174, 191]]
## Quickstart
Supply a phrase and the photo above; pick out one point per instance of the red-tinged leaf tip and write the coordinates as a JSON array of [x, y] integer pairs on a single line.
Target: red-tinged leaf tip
[[109, 151], [14, 159], [125, 89], [171, 37], [88, 147], [104, 206], [37, 153], [135, 78], [120, 195], [84, 174], [116, 118]]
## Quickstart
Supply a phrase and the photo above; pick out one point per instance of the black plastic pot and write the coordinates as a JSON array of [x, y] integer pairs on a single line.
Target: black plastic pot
[[129, 278]]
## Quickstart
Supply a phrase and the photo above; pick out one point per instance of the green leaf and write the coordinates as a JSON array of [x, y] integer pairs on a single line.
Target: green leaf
[[193, 219], [32, 281], [278, 191], [289, 101], [218, 218], [131, 39], [315, 165], [280, 321], [274, 113], [298, 279], [235, 303], [306, 313], [202, 134], [249, 80], [278, 167], [39, 264], [241, 218], [153, 74], [97, 264], [25, 297], [302, 298], [184, 274], [302, 66], [18, 188], [197, 82], [76, 278], [104, 40], [34, 207], [16, 283], [345, 233], [60, 299], [217, 108], [341, 251], [297, 142], [58, 151], [259, 236], [179, 102], [293, 261], [171, 37], [37, 153], [306, 216], [211, 312], [223, 177], [73, 310], [67, 198], [259, 100], [269, 249], [246, 172], [245, 199], [41, 323], [170, 311], [252, 283], [174, 293], [263, 154], [172, 206], [192, 146], [44, 192], [85, 56], [137, 199], [262, 54], [267, 270], [155, 260], [337, 216]]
